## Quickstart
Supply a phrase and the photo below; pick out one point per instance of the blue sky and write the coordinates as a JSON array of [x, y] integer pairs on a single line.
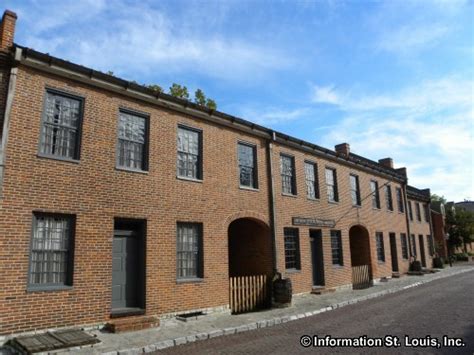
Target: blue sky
[[392, 78]]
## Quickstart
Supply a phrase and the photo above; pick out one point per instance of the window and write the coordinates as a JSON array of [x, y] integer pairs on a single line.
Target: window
[[132, 141], [61, 126], [431, 244], [288, 179], [418, 212], [404, 243], [331, 185], [336, 248], [189, 153], [248, 165], [413, 245], [311, 176], [355, 190], [374, 187], [427, 213], [388, 197], [51, 257], [410, 211], [292, 249], [380, 246], [401, 209], [189, 253]]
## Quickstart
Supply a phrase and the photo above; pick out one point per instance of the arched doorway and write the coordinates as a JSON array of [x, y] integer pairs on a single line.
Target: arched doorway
[[250, 248], [250, 264], [360, 257]]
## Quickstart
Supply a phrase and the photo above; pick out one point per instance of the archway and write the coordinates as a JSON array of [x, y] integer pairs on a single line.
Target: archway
[[250, 265], [360, 257], [250, 248]]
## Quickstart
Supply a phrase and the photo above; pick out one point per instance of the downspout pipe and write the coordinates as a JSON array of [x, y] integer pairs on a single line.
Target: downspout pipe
[[407, 218], [6, 124], [271, 188]]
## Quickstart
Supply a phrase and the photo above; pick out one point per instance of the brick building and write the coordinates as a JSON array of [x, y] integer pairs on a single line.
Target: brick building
[[438, 220], [119, 201]]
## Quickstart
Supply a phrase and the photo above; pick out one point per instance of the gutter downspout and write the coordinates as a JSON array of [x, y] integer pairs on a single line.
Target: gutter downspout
[[407, 219], [431, 230], [271, 187], [6, 124]]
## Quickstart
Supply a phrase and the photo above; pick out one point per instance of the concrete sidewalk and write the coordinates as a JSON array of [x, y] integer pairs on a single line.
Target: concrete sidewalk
[[174, 332]]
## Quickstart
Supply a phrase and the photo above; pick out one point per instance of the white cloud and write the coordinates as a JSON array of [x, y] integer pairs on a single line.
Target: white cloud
[[406, 39], [273, 115], [428, 127], [325, 94], [135, 38]]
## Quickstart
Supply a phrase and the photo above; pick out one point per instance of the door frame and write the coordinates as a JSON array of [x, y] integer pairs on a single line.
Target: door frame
[[135, 229], [422, 250], [394, 251], [317, 261]]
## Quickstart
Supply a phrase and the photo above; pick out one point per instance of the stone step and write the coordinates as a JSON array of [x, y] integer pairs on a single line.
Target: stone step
[[396, 275], [322, 290], [129, 324]]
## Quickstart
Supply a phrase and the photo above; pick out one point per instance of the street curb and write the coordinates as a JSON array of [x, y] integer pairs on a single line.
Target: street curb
[[164, 344]]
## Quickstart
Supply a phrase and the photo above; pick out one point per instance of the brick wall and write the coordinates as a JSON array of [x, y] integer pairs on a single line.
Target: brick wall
[[7, 31], [421, 228], [96, 192], [343, 213], [439, 234]]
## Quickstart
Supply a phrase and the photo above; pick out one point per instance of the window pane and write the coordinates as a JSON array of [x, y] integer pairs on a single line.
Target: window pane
[[374, 187], [60, 126], [400, 200], [404, 244], [292, 248], [418, 212], [49, 250], [331, 187], [131, 141], [188, 162], [311, 180], [336, 247], [188, 250], [247, 167], [388, 197], [355, 193], [287, 174], [380, 246]]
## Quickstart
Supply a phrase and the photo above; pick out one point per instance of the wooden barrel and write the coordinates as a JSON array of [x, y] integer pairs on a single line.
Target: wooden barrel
[[416, 265], [282, 291]]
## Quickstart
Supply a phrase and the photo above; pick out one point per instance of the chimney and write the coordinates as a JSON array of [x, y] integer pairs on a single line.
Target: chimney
[[343, 148], [7, 30], [402, 171], [387, 162]]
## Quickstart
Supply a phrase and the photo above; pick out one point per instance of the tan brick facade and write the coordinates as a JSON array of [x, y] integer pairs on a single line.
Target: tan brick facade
[[95, 192]]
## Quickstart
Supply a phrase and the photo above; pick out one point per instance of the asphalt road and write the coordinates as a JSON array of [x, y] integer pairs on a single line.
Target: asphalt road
[[440, 308]]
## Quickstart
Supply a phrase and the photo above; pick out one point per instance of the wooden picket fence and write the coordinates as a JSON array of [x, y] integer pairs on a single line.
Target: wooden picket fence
[[249, 293], [360, 277]]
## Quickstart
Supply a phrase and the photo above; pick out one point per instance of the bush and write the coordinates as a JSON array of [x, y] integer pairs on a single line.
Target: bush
[[461, 256]]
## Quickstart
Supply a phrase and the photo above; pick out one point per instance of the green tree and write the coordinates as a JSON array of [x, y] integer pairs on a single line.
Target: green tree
[[441, 199], [460, 227], [210, 103], [179, 91], [155, 88], [200, 97]]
